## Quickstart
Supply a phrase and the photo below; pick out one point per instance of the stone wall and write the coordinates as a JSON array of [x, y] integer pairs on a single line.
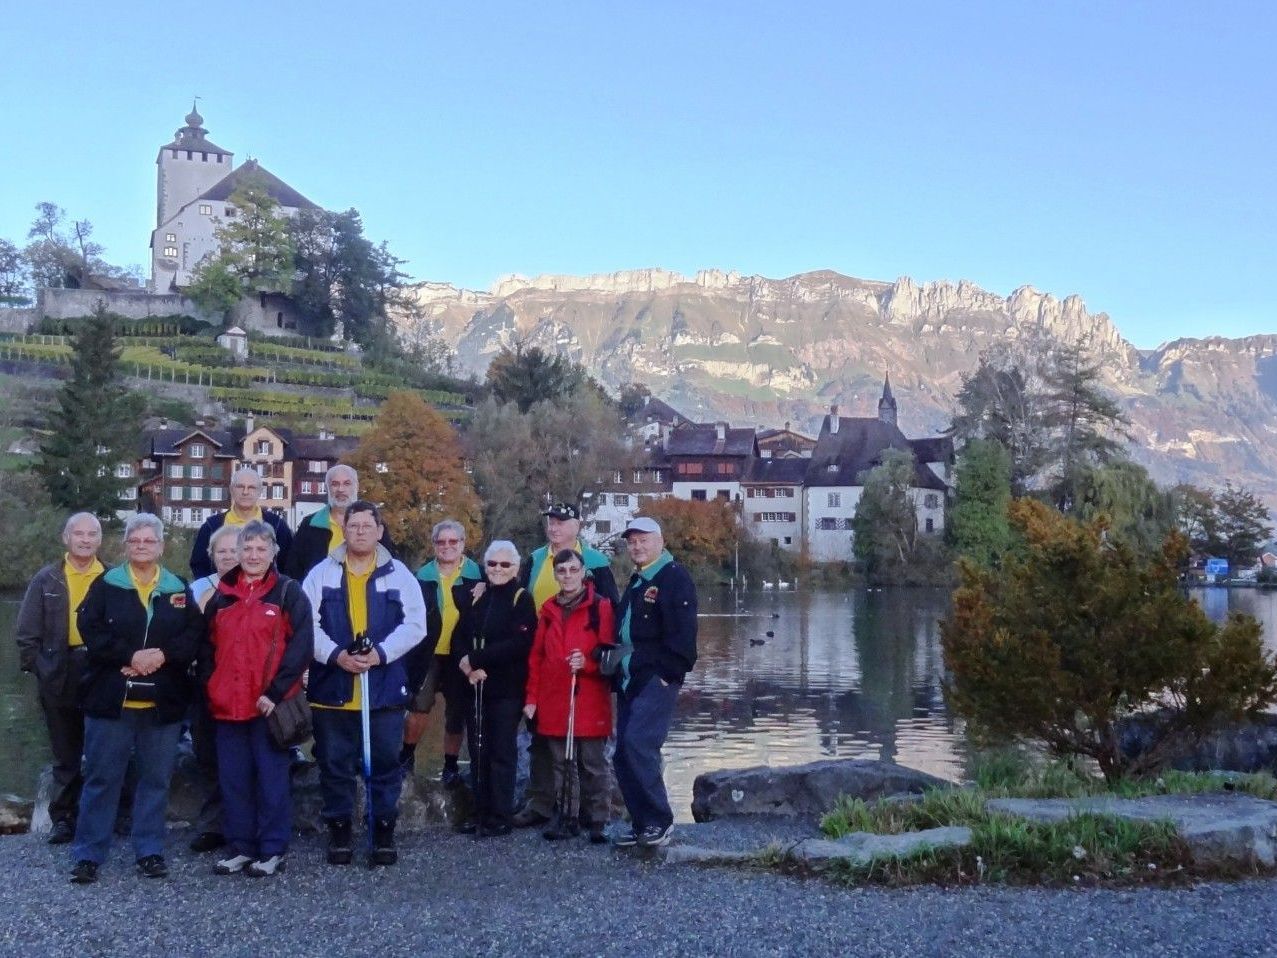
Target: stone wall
[[17, 319], [132, 304]]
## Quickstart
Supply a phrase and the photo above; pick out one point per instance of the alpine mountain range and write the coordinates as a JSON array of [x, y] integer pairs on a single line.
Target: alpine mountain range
[[757, 351]]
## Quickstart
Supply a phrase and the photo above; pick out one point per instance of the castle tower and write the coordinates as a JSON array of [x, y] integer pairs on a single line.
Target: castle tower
[[887, 404], [187, 167]]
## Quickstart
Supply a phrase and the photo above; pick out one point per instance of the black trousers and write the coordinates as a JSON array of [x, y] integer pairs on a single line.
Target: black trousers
[[494, 759], [204, 745]]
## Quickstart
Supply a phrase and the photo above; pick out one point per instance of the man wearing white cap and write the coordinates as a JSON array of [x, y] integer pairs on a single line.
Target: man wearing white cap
[[657, 639]]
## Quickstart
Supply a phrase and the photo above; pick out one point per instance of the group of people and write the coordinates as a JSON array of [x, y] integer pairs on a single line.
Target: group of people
[[125, 657]]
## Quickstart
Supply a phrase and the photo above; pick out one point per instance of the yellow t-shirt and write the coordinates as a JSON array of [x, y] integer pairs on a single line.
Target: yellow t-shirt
[[448, 613], [77, 588], [144, 590], [339, 534], [357, 606], [546, 586], [233, 519]]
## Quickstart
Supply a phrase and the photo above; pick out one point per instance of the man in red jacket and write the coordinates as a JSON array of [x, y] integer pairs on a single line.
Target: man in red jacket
[[571, 625]]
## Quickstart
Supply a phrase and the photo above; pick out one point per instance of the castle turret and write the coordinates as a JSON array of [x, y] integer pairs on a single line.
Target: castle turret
[[887, 404], [187, 167]]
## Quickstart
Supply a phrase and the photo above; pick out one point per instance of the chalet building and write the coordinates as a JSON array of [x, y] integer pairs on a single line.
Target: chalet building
[[708, 460], [785, 443], [184, 473], [623, 495], [267, 452], [654, 422]]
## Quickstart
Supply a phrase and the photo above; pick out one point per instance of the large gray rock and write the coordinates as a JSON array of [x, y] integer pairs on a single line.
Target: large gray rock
[[1220, 829], [808, 790], [15, 814], [860, 848], [1241, 747]]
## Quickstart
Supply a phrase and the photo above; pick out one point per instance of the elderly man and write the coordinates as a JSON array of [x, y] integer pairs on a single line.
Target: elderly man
[[361, 593], [562, 531], [246, 494], [320, 535], [657, 638], [49, 644], [450, 570]]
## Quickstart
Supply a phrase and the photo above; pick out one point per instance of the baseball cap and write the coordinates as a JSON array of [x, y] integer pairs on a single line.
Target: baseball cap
[[641, 524], [562, 510]]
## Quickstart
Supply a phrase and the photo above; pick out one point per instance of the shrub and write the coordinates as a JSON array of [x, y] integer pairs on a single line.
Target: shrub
[[1076, 633]]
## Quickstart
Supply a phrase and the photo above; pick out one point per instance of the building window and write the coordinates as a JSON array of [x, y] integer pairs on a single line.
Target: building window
[[124, 471], [727, 468], [215, 493], [277, 491], [638, 475], [197, 515], [262, 447], [382, 467], [931, 501], [175, 471], [316, 465], [616, 477], [931, 525], [834, 500], [623, 501], [789, 540], [128, 493], [749, 492], [724, 494], [197, 493], [196, 450], [206, 209], [170, 237], [321, 488], [175, 493], [785, 492], [230, 213], [197, 472], [170, 252], [602, 526], [698, 495], [690, 468]]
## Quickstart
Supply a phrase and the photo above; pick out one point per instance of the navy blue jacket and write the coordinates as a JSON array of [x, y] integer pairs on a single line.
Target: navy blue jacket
[[659, 611], [396, 624]]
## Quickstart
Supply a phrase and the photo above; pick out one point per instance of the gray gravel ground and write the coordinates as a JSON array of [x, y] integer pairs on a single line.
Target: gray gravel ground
[[455, 895]]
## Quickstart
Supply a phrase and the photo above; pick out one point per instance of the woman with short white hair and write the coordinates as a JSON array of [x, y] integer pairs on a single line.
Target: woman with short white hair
[[493, 639]]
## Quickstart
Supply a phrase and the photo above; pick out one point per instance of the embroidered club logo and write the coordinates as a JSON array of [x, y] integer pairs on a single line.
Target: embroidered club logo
[[651, 594], [177, 600]]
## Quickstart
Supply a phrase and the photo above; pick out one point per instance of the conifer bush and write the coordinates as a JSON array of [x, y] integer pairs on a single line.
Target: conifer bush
[[1076, 632]]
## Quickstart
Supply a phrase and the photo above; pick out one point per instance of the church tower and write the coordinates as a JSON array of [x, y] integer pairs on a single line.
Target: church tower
[[187, 167], [887, 404]]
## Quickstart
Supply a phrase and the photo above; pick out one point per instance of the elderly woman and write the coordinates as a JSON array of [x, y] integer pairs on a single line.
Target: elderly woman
[[141, 628], [493, 639], [223, 549], [258, 643]]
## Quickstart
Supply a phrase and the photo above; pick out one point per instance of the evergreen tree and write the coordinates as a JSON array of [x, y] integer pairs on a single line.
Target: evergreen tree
[[1243, 525], [410, 462], [93, 426], [528, 374], [978, 521], [1137, 511]]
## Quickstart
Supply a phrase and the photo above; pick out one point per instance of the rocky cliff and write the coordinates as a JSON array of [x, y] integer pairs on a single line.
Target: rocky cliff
[[757, 350]]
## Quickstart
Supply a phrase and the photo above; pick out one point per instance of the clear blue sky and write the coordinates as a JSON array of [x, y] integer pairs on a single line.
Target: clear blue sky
[[1124, 151]]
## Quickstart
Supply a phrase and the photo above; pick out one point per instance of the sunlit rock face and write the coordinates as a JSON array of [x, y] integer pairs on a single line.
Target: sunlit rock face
[[749, 349]]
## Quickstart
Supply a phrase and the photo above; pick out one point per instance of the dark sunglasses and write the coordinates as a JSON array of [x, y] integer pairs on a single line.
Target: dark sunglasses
[[493, 564]]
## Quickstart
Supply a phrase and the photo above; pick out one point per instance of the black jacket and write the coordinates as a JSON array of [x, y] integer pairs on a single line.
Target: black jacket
[[202, 562], [496, 633], [42, 633], [418, 660], [114, 625], [662, 627], [310, 546]]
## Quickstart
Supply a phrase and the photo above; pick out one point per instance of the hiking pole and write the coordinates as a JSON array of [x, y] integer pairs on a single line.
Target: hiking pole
[[570, 777], [479, 808], [365, 723]]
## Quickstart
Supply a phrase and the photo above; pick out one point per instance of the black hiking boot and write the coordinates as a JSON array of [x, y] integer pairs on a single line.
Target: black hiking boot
[[383, 842], [340, 846]]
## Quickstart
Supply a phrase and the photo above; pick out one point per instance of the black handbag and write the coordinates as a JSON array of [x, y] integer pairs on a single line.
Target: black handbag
[[290, 723]]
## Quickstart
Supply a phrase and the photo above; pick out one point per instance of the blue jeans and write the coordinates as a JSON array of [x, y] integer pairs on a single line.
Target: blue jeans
[[641, 726], [339, 749], [107, 746], [257, 804]]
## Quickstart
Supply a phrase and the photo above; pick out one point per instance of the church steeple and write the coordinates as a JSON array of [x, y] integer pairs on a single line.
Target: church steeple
[[887, 404]]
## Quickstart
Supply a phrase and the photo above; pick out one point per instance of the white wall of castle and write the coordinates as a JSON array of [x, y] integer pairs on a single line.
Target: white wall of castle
[[184, 175]]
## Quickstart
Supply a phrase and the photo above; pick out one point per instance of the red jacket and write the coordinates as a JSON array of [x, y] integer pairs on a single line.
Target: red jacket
[[259, 640], [549, 678]]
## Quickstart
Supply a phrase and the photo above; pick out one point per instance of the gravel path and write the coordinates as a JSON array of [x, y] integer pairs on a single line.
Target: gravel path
[[453, 895]]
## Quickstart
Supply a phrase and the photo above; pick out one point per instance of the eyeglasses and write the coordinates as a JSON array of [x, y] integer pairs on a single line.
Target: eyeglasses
[[495, 564], [142, 542], [360, 527], [447, 542], [567, 570]]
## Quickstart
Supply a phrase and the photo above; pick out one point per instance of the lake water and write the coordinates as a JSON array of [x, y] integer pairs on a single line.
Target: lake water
[[843, 675]]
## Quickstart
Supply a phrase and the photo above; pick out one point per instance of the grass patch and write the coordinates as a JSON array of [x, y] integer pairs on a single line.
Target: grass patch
[[1080, 850]]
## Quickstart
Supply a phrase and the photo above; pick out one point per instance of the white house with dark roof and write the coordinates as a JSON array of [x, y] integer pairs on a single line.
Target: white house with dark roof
[[845, 450], [708, 460], [194, 182]]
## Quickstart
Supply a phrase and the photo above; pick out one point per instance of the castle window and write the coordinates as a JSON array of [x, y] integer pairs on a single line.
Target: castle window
[[834, 500], [219, 157], [175, 154], [931, 501], [170, 251], [189, 156], [203, 157], [170, 237], [206, 209], [230, 212]]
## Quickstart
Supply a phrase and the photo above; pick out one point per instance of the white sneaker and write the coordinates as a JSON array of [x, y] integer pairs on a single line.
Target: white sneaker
[[267, 866], [232, 865]]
